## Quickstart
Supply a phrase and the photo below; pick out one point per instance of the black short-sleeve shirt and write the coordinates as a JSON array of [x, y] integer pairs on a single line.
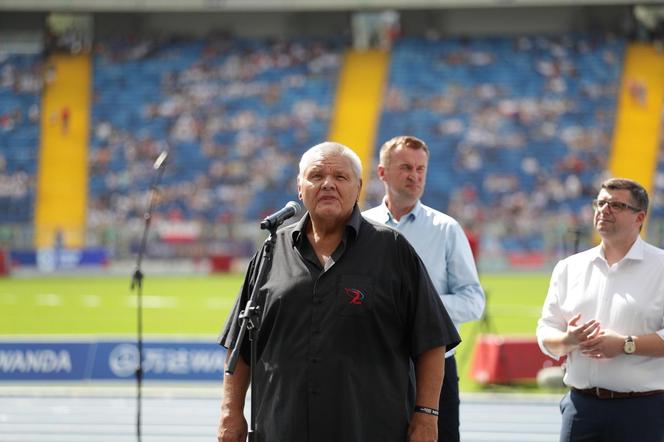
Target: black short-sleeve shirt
[[336, 343]]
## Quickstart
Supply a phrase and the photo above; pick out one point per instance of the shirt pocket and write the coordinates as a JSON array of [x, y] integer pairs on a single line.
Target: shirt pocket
[[355, 295]]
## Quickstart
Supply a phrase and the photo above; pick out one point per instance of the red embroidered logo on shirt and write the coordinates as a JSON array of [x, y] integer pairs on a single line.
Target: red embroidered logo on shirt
[[356, 296]]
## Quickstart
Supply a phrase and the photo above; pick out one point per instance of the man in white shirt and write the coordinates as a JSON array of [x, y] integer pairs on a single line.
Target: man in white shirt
[[605, 312], [441, 244]]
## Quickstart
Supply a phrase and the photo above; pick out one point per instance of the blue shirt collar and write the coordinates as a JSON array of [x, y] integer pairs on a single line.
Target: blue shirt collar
[[412, 215]]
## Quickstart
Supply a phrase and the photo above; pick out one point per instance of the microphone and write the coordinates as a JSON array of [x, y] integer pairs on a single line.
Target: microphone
[[276, 219], [160, 160]]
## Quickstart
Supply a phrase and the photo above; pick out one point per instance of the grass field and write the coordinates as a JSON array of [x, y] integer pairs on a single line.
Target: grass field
[[198, 306]]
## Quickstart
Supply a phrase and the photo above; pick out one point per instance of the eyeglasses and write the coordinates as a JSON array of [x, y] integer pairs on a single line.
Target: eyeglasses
[[615, 206]]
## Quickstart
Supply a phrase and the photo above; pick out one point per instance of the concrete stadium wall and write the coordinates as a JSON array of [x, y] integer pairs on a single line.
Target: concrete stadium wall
[[469, 21], [542, 20], [260, 24], [472, 21]]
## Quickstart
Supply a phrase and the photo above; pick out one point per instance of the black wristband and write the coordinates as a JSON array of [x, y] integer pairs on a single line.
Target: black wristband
[[426, 410]]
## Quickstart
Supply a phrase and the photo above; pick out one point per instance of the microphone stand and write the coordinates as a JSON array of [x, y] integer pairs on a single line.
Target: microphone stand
[[251, 322], [137, 282], [575, 234], [577, 240]]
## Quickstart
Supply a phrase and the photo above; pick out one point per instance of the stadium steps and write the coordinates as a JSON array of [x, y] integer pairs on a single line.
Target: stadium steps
[[357, 105], [637, 127], [62, 173]]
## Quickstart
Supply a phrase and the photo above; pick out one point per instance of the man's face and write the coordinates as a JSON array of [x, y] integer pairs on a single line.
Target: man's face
[[405, 174], [611, 223], [329, 188]]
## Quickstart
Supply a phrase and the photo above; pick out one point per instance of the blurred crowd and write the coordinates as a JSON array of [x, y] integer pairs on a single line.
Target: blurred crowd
[[519, 128], [520, 131], [21, 79], [232, 114]]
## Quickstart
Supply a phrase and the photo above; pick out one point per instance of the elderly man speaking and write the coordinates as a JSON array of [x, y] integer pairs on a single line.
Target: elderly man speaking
[[348, 307]]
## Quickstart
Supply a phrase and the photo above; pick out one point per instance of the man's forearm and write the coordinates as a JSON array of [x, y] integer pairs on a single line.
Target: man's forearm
[[429, 372], [467, 304], [235, 388], [649, 345], [232, 424], [558, 343]]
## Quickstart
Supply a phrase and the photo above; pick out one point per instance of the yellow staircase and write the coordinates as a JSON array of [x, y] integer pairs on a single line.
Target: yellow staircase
[[60, 209], [358, 103], [637, 128]]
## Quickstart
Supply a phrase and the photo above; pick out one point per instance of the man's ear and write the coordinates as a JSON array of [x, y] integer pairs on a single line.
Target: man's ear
[[381, 172], [299, 189]]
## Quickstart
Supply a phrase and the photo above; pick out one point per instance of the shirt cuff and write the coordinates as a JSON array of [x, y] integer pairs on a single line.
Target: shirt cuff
[[540, 342]]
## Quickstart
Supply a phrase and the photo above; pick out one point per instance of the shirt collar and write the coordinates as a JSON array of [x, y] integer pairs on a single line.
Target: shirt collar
[[634, 253], [352, 224], [412, 215]]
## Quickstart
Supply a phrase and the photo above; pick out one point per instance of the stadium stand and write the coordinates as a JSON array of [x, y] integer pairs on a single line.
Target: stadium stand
[[519, 127], [233, 113], [20, 87], [656, 220]]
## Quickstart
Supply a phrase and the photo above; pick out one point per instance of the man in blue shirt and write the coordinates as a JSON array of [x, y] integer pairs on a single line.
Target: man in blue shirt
[[441, 244]]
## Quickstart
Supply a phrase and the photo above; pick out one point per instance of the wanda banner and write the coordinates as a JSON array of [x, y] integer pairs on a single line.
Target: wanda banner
[[110, 360]]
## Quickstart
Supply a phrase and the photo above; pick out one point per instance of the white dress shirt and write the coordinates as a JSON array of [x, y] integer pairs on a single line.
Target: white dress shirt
[[627, 297], [443, 246]]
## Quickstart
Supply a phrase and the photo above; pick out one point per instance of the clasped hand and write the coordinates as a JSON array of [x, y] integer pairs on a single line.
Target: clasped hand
[[592, 340]]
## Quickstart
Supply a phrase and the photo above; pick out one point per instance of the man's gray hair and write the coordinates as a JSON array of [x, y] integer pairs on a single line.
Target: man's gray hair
[[331, 148]]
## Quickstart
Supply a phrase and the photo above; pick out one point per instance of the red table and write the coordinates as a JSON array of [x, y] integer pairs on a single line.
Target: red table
[[507, 359]]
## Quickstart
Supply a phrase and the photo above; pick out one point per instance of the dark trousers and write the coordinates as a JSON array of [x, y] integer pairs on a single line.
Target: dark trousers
[[448, 420], [588, 419]]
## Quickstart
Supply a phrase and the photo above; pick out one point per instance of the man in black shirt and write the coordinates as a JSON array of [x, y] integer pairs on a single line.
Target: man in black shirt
[[348, 306]]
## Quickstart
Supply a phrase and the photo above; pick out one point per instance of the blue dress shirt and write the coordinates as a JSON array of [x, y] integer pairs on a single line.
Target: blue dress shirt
[[443, 247]]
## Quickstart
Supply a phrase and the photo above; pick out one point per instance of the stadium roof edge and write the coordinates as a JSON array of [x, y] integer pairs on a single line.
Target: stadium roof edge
[[281, 5]]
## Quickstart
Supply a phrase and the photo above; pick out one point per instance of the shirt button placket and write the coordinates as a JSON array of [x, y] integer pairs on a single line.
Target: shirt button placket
[[313, 362], [603, 301]]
